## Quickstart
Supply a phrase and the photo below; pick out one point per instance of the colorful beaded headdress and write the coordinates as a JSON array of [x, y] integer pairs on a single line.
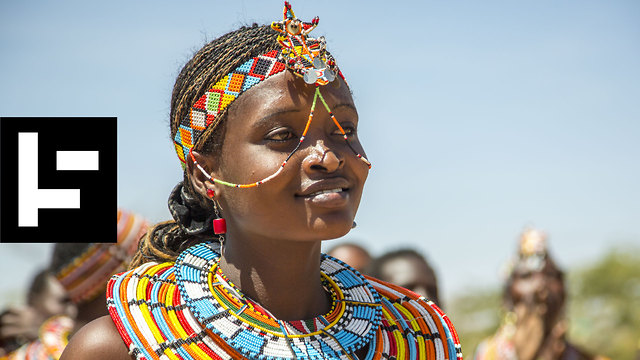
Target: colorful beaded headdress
[[304, 56], [86, 275]]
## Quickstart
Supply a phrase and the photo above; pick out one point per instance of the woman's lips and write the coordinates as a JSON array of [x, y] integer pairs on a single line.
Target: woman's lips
[[328, 191], [328, 198]]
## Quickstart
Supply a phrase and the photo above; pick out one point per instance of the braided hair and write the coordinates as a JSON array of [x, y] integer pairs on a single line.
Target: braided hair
[[193, 213]]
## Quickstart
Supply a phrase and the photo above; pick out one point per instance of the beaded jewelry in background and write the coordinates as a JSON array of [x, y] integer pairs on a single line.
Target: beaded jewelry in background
[[85, 276]]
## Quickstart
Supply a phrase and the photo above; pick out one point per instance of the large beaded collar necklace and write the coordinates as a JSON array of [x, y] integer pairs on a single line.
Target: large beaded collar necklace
[[191, 310], [250, 329]]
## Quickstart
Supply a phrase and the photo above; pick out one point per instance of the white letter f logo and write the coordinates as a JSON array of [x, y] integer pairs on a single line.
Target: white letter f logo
[[30, 197]]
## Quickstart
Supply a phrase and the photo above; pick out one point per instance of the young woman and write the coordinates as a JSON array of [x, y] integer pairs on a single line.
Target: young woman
[[534, 324], [266, 128]]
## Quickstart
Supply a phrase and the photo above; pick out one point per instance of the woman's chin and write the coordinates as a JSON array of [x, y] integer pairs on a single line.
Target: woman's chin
[[333, 229]]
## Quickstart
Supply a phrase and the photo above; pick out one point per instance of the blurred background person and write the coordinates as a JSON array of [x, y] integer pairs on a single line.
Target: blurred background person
[[534, 325], [46, 298], [84, 269], [82, 272], [353, 254], [409, 269]]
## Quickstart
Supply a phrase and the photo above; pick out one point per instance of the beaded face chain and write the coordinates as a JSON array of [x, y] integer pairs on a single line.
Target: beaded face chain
[[304, 133], [305, 57]]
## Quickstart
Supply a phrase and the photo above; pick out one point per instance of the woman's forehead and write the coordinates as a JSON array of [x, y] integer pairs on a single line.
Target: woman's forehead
[[286, 93]]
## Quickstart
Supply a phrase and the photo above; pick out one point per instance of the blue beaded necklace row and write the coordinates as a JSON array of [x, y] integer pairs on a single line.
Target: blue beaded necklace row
[[221, 307]]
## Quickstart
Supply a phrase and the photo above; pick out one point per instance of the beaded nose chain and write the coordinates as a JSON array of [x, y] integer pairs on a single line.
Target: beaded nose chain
[[305, 57]]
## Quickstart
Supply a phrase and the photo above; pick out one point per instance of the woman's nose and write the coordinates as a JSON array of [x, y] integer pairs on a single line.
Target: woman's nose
[[322, 158]]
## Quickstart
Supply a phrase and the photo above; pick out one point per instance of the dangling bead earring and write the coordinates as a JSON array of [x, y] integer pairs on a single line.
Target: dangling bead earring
[[219, 228], [219, 223]]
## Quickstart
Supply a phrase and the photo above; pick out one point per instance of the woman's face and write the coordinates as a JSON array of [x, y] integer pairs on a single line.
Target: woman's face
[[412, 274], [538, 292], [317, 194], [53, 300]]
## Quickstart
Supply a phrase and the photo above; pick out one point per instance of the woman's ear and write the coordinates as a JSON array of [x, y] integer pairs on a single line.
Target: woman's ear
[[200, 181]]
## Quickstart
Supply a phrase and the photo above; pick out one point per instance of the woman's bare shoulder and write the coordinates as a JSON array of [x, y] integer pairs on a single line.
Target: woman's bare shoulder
[[97, 340]]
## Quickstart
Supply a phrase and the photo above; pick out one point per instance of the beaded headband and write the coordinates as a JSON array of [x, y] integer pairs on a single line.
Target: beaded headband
[[305, 57], [87, 274]]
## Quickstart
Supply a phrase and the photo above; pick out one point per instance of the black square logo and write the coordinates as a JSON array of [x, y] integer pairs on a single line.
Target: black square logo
[[58, 180]]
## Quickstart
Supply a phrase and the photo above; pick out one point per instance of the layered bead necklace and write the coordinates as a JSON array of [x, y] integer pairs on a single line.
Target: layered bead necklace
[[219, 305], [190, 310], [192, 305]]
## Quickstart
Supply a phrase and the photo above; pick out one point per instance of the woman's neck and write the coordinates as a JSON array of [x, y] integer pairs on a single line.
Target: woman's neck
[[282, 276]]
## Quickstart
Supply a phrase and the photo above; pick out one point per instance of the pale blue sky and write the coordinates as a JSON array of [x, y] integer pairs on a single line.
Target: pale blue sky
[[480, 117]]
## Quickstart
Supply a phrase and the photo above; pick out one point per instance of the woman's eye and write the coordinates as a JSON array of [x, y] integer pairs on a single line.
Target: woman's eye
[[280, 135], [349, 130]]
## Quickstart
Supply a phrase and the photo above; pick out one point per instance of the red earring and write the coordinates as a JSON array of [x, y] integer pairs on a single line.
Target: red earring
[[219, 223], [219, 226]]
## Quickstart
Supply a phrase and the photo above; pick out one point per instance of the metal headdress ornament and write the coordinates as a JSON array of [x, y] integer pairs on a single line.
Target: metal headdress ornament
[[532, 253], [306, 57]]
